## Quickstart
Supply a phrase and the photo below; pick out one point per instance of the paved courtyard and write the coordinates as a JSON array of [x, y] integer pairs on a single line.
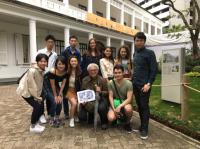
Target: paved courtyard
[[14, 132]]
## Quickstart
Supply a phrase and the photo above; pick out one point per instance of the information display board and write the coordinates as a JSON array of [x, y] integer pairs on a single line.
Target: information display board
[[172, 72]]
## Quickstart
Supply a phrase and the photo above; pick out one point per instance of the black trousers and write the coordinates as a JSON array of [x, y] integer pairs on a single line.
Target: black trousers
[[102, 110], [38, 109], [142, 100]]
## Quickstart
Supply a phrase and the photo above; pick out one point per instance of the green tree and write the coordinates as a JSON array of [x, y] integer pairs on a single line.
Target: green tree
[[193, 29]]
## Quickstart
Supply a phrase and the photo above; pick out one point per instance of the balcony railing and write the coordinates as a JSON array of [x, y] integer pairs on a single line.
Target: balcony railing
[[59, 7]]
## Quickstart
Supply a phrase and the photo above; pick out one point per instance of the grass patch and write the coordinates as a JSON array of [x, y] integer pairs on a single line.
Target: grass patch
[[170, 113]]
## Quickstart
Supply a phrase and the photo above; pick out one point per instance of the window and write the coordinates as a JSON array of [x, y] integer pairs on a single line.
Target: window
[[26, 51], [59, 46], [82, 7], [99, 13], [113, 19], [82, 47]]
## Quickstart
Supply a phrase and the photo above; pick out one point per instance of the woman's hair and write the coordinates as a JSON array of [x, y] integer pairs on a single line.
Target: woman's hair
[[62, 60], [41, 56], [89, 50], [111, 56], [128, 54], [78, 68]]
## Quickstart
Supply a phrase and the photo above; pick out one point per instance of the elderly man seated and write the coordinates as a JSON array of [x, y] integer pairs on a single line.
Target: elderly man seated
[[98, 84]]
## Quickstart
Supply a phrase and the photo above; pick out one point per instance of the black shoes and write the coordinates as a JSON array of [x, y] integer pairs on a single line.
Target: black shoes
[[143, 134], [128, 128]]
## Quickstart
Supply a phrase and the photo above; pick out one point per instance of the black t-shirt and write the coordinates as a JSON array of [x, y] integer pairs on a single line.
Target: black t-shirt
[[58, 79]]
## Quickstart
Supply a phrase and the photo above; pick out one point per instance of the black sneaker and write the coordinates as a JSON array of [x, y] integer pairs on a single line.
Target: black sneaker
[[135, 129], [144, 135], [104, 126], [66, 117], [128, 128]]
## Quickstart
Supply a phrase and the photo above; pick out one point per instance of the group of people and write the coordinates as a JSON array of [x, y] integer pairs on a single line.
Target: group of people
[[57, 79]]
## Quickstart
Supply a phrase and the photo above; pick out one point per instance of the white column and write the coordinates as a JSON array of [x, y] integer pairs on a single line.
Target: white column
[[149, 28], [108, 41], [66, 2], [108, 10], [33, 42], [66, 36], [133, 20], [90, 36], [122, 42], [122, 15], [132, 49], [142, 24], [90, 4]]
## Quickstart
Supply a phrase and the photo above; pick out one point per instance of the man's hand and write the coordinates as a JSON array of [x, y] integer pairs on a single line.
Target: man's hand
[[98, 89], [118, 109], [146, 88]]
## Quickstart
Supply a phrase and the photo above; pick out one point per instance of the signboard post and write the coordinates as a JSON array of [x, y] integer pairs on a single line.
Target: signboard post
[[172, 75]]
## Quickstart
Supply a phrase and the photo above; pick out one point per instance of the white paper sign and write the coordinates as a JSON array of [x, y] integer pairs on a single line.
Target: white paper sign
[[85, 96]]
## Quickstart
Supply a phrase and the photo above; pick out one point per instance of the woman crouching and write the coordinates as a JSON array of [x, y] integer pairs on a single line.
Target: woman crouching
[[30, 88]]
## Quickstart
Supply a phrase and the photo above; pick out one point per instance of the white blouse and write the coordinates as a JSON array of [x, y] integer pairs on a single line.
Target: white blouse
[[106, 67]]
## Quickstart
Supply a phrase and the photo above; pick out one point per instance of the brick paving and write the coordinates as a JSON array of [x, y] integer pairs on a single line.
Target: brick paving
[[14, 132]]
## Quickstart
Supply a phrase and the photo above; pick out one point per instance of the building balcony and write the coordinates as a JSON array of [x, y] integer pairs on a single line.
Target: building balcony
[[150, 3], [158, 8], [163, 15]]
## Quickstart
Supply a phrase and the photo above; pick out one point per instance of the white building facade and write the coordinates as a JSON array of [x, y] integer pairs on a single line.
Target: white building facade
[[25, 23]]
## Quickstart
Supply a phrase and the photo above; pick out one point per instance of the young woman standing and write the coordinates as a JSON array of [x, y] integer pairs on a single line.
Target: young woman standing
[[72, 86]]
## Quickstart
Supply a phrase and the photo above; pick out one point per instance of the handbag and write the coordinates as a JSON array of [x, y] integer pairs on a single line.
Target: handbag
[[117, 101]]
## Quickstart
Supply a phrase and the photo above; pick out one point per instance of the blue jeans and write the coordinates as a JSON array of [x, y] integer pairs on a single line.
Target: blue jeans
[[54, 108]]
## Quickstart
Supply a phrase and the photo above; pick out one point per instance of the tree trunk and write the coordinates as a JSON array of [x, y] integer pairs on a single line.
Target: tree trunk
[[195, 48]]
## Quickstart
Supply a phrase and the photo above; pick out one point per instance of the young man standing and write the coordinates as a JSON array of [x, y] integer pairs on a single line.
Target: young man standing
[[70, 51], [120, 89], [48, 50], [145, 69]]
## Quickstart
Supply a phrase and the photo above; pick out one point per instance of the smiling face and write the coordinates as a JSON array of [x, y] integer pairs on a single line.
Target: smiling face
[[108, 52], [118, 74], [73, 62], [123, 52], [60, 66], [42, 63], [93, 71], [92, 44]]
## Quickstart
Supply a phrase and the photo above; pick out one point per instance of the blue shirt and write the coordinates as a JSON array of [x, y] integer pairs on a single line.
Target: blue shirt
[[145, 66]]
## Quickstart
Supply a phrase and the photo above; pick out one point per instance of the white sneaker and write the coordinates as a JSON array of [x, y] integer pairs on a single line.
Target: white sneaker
[[38, 125], [42, 119], [36, 129], [71, 122], [76, 119]]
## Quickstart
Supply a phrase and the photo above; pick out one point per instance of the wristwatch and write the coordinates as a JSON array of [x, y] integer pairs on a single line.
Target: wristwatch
[[149, 84]]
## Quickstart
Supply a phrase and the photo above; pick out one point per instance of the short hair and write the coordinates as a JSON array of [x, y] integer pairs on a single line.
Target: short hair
[[118, 66], [50, 37], [140, 35], [41, 56], [92, 65], [73, 36]]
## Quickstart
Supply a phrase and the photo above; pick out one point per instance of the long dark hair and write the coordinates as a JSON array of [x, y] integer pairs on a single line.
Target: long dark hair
[[89, 50], [128, 55], [111, 56], [62, 60], [78, 68]]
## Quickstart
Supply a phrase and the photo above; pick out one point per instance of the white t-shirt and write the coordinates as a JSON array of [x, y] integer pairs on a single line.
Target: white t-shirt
[[52, 58]]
